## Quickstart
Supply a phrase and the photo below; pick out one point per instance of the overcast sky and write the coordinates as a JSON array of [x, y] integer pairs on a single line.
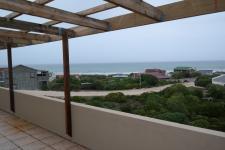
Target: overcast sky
[[199, 38]]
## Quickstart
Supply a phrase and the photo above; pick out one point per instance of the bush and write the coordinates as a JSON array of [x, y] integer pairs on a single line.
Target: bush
[[176, 89], [196, 92], [58, 84], [217, 91], [78, 99], [149, 80], [211, 109], [181, 75], [203, 81], [116, 97], [154, 104], [176, 104], [175, 117], [200, 123]]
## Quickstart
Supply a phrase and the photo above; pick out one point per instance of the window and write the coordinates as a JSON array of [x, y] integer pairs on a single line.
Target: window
[[32, 75]]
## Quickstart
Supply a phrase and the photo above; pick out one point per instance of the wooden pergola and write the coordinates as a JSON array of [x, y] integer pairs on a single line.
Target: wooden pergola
[[142, 14]]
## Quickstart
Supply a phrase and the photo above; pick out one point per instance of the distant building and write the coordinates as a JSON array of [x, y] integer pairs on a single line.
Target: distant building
[[135, 75], [158, 73], [119, 75], [25, 78], [206, 72], [184, 69], [220, 80], [219, 72]]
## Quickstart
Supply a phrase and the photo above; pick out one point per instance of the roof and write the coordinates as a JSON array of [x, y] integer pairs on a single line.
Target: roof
[[21, 66], [26, 67], [220, 79], [142, 13]]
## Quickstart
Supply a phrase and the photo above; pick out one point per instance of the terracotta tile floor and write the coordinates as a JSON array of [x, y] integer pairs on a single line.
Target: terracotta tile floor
[[17, 134]]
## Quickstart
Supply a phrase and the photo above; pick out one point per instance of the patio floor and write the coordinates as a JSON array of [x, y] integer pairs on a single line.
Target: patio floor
[[17, 134]]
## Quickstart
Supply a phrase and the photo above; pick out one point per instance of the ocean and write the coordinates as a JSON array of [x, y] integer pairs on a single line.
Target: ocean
[[111, 68]]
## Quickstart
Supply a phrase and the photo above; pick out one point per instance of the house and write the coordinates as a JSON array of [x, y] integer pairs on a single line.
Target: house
[[205, 72], [135, 75], [158, 73], [220, 80], [184, 69], [25, 78]]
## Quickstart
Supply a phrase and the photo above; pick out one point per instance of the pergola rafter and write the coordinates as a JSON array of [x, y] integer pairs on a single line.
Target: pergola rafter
[[173, 11], [87, 12], [13, 40], [143, 14], [140, 7], [29, 26], [47, 12], [16, 14], [28, 36]]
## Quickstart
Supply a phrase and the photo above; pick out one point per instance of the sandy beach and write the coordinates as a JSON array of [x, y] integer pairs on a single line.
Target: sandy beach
[[102, 93]]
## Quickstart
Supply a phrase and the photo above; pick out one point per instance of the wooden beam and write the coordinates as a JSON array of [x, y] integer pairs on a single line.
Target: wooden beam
[[87, 12], [15, 41], [10, 74], [30, 8], [16, 14], [173, 11], [140, 7], [4, 46], [28, 36], [66, 68], [28, 26]]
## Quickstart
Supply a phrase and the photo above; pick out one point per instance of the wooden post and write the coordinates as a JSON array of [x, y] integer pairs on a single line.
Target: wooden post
[[10, 75], [66, 67]]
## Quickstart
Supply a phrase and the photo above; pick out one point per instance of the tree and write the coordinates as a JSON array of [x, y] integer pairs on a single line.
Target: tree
[[200, 123], [212, 109], [196, 92], [154, 104], [176, 104], [203, 81], [116, 97], [217, 91], [176, 89], [174, 116], [149, 80]]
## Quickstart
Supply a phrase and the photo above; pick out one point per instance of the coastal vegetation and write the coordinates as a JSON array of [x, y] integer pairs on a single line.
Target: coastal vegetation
[[102, 82], [203, 81], [181, 75], [192, 106]]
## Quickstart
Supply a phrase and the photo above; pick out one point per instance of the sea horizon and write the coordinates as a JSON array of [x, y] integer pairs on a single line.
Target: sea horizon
[[129, 67]]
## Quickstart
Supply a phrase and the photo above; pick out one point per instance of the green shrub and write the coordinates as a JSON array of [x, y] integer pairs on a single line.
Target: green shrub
[[217, 91], [174, 116], [200, 123], [176, 104], [176, 89], [196, 92], [116, 97], [149, 80], [203, 81]]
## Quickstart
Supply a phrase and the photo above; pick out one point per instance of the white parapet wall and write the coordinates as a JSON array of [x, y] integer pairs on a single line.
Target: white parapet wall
[[102, 129]]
